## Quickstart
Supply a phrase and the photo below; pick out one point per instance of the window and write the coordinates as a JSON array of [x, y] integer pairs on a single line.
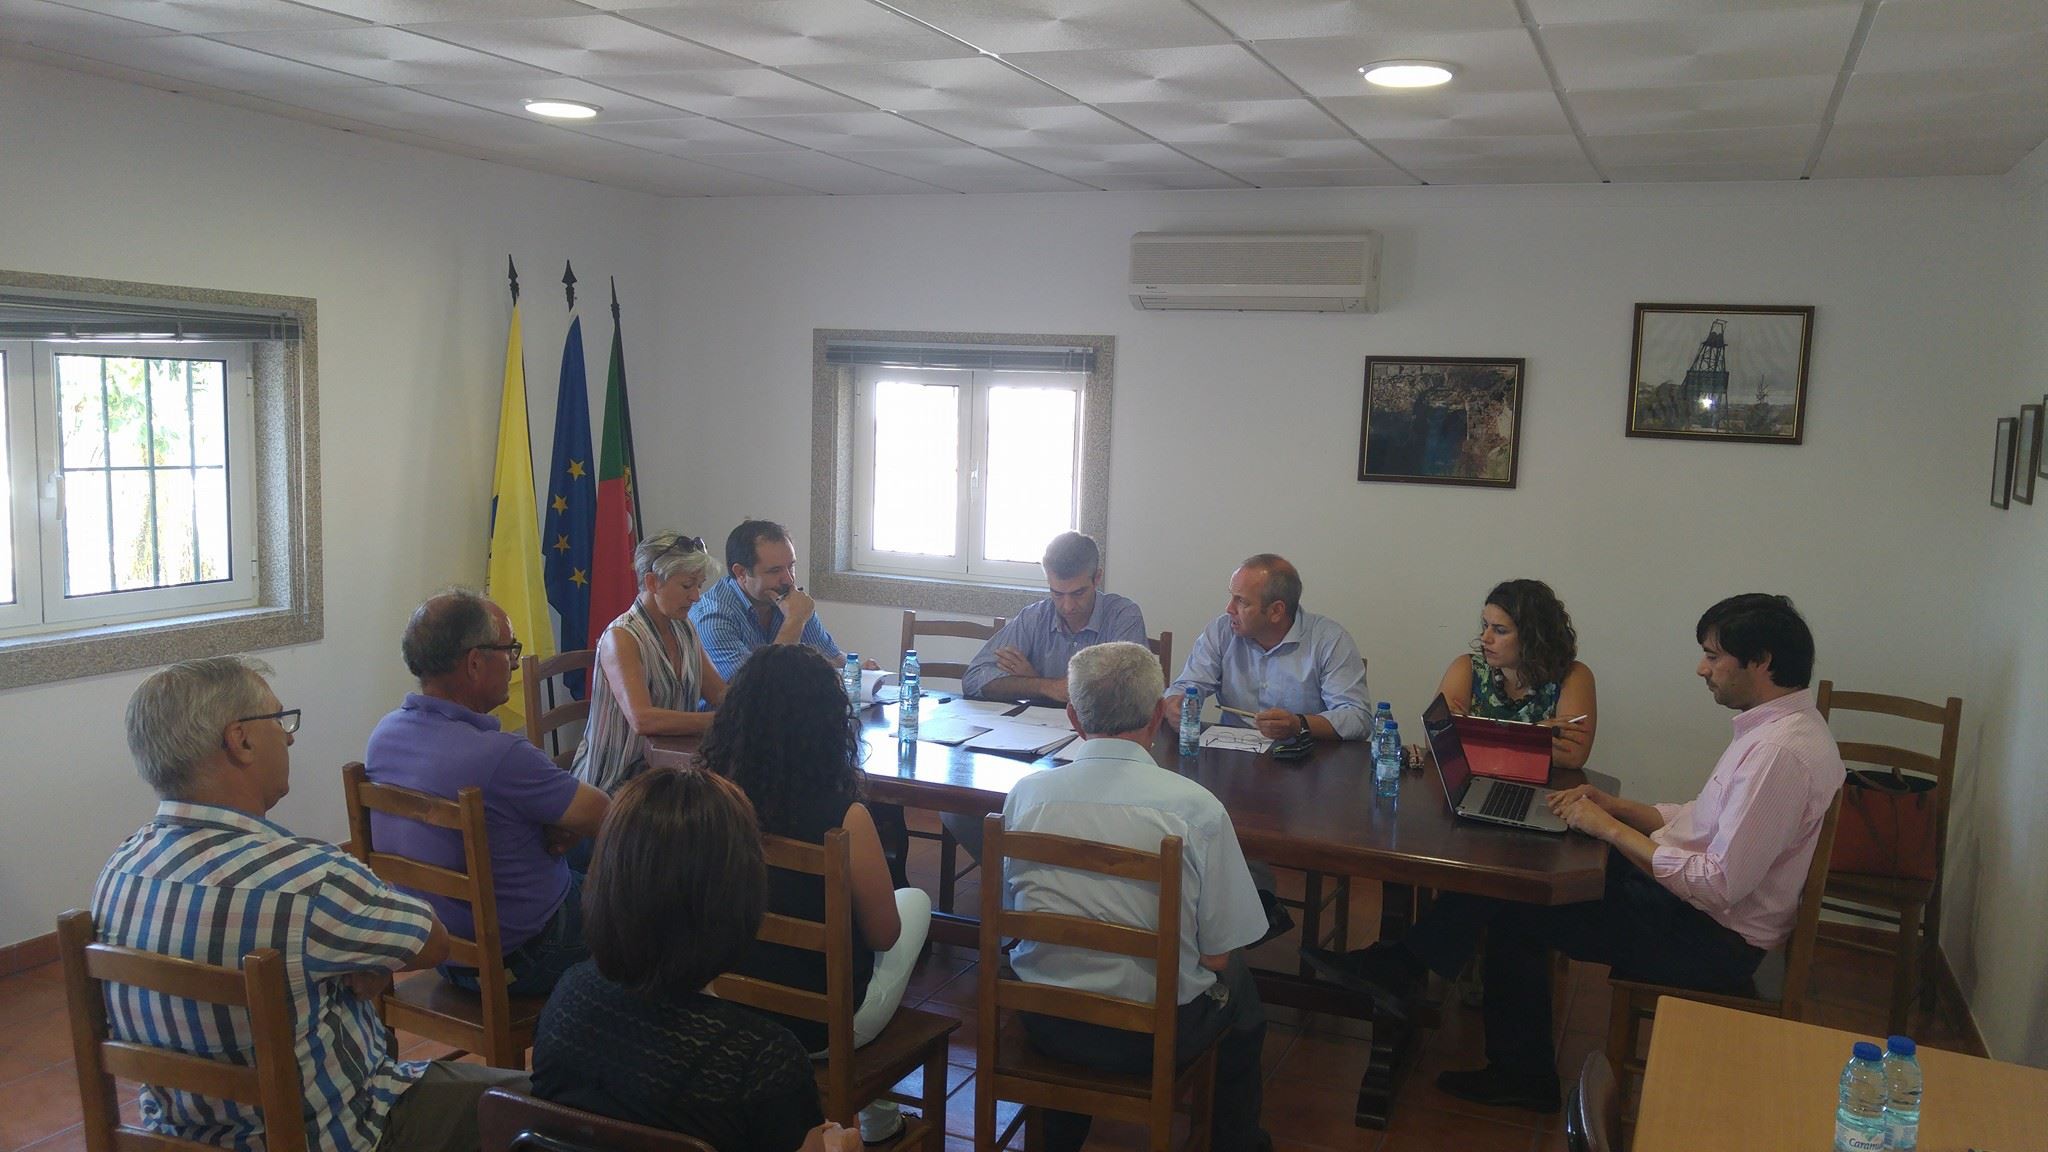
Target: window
[[158, 462], [963, 472], [131, 498], [946, 461]]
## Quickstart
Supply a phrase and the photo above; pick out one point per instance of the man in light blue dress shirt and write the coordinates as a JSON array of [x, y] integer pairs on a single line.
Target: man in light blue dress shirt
[[1028, 658], [1293, 670]]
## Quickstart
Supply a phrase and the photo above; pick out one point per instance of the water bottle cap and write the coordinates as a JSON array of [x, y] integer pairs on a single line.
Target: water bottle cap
[[853, 657], [910, 653], [1383, 706], [1193, 691], [1865, 1050], [1901, 1045], [1392, 726]]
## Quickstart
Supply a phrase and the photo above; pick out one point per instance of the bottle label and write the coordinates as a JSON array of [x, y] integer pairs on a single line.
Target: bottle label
[[1902, 1135], [1857, 1139]]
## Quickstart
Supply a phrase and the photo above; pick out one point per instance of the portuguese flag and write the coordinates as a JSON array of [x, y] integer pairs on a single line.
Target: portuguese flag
[[612, 586]]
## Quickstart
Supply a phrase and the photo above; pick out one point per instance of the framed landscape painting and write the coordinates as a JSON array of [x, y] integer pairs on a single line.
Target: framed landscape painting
[[1729, 372], [1441, 420]]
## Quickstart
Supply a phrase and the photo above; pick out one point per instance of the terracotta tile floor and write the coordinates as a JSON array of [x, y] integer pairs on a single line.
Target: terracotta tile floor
[[1312, 1062]]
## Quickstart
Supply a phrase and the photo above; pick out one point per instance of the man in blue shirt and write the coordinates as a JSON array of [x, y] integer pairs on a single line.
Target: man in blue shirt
[[1028, 658], [1294, 671], [758, 602]]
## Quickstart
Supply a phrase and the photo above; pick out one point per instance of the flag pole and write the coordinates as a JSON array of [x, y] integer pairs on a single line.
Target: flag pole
[[626, 424]]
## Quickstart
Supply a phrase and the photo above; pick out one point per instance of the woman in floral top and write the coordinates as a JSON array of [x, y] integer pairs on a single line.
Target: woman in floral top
[[1524, 666]]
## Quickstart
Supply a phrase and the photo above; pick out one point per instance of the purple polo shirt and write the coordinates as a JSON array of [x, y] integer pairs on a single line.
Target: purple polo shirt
[[439, 747]]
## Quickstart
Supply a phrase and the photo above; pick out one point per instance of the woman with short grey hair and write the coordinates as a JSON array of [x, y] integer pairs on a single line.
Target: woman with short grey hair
[[652, 676]]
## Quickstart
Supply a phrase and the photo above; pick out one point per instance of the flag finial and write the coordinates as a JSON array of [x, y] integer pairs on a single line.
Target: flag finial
[[512, 274], [615, 299], [569, 283]]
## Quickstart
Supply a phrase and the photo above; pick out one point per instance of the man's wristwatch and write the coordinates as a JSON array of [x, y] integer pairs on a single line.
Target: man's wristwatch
[[1303, 721]]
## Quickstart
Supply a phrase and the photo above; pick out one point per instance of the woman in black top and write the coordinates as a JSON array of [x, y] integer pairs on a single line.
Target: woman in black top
[[784, 735], [675, 893]]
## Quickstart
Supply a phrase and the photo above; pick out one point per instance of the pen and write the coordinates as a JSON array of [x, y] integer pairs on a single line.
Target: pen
[[1579, 717], [1239, 712]]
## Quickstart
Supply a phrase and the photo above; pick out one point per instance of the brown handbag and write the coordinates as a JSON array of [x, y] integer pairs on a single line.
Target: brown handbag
[[1886, 827]]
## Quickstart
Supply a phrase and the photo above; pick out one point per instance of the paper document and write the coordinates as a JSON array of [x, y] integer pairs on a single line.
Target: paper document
[[1014, 739], [1223, 736], [948, 730], [977, 709], [1044, 718], [871, 686]]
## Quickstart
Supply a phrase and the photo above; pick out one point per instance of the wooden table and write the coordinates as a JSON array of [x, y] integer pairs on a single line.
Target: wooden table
[[1727, 1079], [1317, 814]]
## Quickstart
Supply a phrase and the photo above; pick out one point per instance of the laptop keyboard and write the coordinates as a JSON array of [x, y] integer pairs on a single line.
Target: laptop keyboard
[[1508, 801]]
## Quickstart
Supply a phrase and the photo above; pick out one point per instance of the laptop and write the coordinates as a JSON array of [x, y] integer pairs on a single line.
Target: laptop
[[1480, 797]]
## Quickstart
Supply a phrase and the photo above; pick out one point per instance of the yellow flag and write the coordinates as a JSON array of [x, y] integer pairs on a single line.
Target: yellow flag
[[513, 579]]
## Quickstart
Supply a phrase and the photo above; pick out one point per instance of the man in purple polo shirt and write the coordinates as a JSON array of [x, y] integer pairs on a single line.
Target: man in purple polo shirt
[[441, 740]]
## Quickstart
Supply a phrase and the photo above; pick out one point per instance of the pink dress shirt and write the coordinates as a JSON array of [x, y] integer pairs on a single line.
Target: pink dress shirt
[[1739, 852]]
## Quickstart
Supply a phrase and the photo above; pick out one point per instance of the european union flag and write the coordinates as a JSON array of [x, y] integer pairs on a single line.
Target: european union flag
[[567, 530]]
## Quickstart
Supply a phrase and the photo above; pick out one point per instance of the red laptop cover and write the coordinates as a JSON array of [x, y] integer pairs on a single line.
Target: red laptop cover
[[1506, 749]]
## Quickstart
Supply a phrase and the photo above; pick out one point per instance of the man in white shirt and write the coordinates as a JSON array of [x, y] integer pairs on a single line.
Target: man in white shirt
[[1115, 793]]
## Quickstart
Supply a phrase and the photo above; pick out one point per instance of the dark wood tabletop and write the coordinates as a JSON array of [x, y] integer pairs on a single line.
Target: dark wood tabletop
[[1319, 813]]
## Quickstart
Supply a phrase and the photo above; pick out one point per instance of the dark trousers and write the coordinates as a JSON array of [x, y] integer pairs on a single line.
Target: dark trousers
[[1638, 926], [1229, 1008], [533, 968]]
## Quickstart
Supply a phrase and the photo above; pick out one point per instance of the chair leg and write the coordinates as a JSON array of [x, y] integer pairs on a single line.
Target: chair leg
[[986, 1137], [1034, 1129], [947, 847], [1930, 931], [1311, 914], [1342, 915], [1906, 979], [935, 1100]]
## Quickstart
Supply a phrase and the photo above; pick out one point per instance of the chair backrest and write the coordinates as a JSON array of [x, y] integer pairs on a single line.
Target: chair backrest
[[473, 884], [832, 936], [543, 721], [271, 1083], [1162, 647], [1941, 767], [1592, 1120], [964, 629], [1806, 929], [511, 1122], [1161, 945]]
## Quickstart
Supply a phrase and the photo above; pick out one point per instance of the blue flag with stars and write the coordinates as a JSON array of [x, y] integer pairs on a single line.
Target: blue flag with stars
[[568, 530]]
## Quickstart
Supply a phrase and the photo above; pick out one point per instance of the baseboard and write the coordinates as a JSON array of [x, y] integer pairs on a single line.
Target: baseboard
[[1948, 994], [34, 952]]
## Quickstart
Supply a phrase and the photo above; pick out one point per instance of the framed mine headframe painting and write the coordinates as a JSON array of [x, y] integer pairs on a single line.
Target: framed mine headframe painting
[[1727, 372], [1441, 420]]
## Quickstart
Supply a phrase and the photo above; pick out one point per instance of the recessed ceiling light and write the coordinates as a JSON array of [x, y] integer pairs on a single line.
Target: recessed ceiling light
[[1407, 73], [562, 109]]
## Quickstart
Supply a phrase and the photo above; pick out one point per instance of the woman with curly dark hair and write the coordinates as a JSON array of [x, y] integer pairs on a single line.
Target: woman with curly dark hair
[[785, 736], [1525, 666]]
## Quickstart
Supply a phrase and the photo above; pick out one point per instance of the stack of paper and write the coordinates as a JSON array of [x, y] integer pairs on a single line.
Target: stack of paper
[[1043, 717], [1013, 739], [948, 730]]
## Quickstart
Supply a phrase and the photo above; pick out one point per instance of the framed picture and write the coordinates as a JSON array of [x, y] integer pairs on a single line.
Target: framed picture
[[2001, 461], [1730, 372], [2027, 453], [1441, 420]]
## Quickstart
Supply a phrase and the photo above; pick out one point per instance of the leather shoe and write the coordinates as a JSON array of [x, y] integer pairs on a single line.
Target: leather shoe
[[1499, 1088], [1278, 921], [1371, 971]]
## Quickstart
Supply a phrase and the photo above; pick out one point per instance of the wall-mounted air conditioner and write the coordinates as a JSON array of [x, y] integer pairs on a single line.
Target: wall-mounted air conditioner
[[1256, 271]]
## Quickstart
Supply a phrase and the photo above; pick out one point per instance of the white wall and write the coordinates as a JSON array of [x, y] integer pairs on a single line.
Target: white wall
[[405, 252]]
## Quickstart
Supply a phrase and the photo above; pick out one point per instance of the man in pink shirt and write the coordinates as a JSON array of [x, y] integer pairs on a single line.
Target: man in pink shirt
[[1696, 892]]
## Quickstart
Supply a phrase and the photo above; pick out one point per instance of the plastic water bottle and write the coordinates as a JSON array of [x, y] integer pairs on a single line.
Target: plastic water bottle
[[1859, 1115], [907, 692], [1382, 715], [1386, 762], [1901, 1094], [1191, 721], [849, 678]]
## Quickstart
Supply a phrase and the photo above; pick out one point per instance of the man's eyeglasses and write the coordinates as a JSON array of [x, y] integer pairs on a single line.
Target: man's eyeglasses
[[512, 649], [288, 719]]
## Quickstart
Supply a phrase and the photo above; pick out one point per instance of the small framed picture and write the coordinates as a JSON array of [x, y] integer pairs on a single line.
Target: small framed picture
[[2002, 451], [2027, 454], [1441, 420], [1729, 372]]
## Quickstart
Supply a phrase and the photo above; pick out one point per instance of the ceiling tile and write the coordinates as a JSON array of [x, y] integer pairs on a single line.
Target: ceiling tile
[[688, 136], [1193, 179], [1215, 72], [389, 55], [508, 96], [974, 82], [1220, 122], [1484, 152], [1384, 176], [1690, 173], [969, 170], [40, 22], [1563, 172], [1967, 38], [1486, 61], [821, 173], [849, 131], [1008, 128], [1549, 12], [436, 11], [205, 16], [2004, 99], [1448, 112], [1298, 19], [592, 45], [1093, 161], [1069, 25], [734, 92], [1652, 53], [1244, 156], [1930, 149], [211, 63], [1727, 145], [791, 32], [1766, 103]]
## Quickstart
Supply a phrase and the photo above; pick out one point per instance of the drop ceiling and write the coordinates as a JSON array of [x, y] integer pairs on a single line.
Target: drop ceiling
[[795, 97]]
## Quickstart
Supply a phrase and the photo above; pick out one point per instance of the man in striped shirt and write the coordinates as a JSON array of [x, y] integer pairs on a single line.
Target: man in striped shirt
[[209, 879]]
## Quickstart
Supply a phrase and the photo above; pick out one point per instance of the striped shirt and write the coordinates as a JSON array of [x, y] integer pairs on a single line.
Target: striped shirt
[[610, 748], [213, 884], [731, 630]]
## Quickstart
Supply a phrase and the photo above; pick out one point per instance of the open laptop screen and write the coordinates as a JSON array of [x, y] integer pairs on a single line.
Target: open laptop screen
[[1446, 749]]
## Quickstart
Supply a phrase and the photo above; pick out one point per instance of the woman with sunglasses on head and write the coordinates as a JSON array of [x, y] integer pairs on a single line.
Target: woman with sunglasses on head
[[1525, 666], [651, 669]]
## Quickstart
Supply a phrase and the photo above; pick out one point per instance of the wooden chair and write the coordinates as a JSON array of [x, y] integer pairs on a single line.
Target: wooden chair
[[543, 721], [849, 1078], [1592, 1117], [1912, 907], [1008, 1067], [491, 1022], [949, 848], [1777, 989], [1162, 647], [512, 1122], [270, 1082]]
